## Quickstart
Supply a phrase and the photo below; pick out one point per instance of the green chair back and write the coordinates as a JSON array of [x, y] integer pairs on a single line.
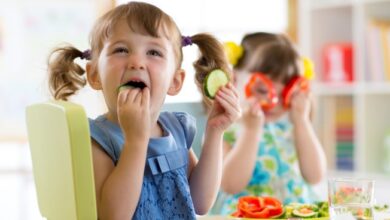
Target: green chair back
[[60, 146]]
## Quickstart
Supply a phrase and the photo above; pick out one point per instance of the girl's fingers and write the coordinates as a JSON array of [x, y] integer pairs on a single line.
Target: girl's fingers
[[138, 97], [145, 97], [123, 95], [227, 95], [226, 105], [229, 98], [300, 94], [250, 103], [233, 89], [133, 94], [256, 110], [230, 108], [129, 95]]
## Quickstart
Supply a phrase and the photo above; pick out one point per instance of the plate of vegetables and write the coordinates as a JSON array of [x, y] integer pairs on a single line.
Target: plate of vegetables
[[254, 207]]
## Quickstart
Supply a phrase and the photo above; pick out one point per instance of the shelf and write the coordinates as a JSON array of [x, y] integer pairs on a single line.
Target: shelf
[[377, 88], [375, 1], [338, 89], [329, 21], [335, 4], [332, 4], [331, 89]]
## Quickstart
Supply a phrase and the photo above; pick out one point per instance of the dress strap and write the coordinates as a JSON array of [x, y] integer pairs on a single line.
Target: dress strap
[[167, 162]]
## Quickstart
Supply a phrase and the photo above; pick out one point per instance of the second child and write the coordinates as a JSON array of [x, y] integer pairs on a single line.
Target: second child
[[273, 149]]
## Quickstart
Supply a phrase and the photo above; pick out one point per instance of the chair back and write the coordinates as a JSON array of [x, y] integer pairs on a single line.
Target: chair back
[[60, 145]]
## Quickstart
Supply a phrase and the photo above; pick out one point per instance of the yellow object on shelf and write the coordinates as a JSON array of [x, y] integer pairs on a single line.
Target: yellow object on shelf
[[308, 68], [234, 52]]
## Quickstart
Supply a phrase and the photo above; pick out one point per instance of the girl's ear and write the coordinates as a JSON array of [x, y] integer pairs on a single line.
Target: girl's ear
[[93, 77], [177, 82]]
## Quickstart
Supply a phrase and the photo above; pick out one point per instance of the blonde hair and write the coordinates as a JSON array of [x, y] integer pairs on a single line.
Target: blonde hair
[[66, 77], [271, 54]]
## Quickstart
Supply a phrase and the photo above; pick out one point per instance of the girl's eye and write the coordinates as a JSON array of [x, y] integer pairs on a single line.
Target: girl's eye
[[121, 50], [261, 91], [155, 53]]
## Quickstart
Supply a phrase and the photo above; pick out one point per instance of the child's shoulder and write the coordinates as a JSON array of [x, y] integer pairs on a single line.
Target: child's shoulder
[[105, 133], [180, 124], [102, 124], [177, 117]]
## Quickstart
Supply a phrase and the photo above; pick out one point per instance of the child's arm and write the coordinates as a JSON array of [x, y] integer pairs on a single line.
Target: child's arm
[[118, 187], [312, 161], [205, 177], [239, 161]]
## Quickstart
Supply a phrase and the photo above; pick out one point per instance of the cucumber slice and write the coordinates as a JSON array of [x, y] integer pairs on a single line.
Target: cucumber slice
[[213, 81], [306, 214]]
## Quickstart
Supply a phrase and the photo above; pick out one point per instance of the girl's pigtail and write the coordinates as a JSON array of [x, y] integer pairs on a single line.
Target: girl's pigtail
[[65, 76], [212, 56]]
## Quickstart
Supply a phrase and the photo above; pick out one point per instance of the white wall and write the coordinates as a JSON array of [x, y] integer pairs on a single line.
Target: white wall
[[30, 29]]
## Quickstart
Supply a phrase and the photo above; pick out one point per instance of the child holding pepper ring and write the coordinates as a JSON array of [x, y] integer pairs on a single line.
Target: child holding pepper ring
[[273, 150]]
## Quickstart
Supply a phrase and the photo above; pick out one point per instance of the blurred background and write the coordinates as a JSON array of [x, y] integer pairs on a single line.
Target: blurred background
[[348, 40]]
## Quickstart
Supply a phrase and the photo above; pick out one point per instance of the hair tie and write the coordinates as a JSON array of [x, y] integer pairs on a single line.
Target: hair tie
[[185, 41], [86, 54], [233, 51]]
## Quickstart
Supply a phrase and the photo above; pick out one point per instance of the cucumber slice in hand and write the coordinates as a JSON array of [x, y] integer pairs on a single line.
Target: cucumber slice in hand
[[213, 81]]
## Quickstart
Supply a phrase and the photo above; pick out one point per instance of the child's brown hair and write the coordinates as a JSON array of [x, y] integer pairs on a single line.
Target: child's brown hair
[[271, 54], [66, 77]]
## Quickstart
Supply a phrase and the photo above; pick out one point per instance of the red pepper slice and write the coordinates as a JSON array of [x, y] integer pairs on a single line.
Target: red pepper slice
[[273, 205], [264, 213], [297, 83], [271, 100], [252, 207], [250, 203], [238, 214], [258, 207]]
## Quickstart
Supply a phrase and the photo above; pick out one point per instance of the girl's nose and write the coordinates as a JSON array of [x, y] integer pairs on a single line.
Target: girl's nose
[[136, 62]]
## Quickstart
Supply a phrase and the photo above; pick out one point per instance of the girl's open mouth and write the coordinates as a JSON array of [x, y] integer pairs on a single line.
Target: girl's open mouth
[[133, 84]]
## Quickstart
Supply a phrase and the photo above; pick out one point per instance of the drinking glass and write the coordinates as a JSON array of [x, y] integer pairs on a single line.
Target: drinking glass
[[350, 199]]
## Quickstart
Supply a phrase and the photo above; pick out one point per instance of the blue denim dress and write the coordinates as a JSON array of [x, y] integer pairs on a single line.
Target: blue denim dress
[[165, 190]]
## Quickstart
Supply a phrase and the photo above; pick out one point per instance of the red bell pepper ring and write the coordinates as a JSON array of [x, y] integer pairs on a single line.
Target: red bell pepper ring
[[273, 205], [271, 99], [297, 83], [252, 207], [250, 203], [238, 214], [258, 207], [264, 213]]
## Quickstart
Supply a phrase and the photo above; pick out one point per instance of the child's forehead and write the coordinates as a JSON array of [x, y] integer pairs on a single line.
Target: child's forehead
[[124, 28], [246, 76]]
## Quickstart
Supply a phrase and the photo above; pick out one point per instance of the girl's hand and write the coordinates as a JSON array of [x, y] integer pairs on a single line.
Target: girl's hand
[[300, 107], [133, 112], [226, 108], [253, 116]]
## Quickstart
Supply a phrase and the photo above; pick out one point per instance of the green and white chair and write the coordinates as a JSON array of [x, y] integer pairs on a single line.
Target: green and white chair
[[60, 146]]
